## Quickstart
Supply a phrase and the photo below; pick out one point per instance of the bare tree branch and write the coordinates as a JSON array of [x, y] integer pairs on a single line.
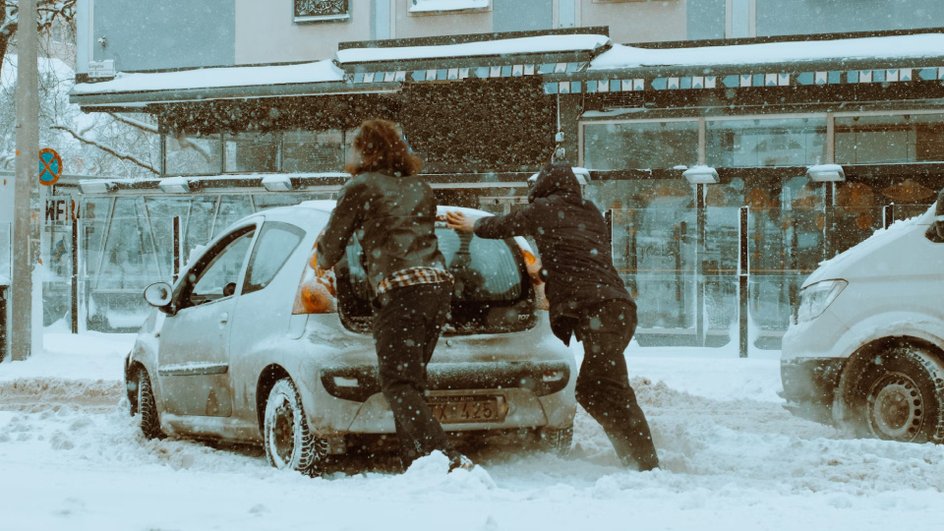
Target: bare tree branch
[[146, 127], [107, 149]]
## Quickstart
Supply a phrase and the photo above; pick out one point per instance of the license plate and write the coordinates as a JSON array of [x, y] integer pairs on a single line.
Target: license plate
[[467, 409]]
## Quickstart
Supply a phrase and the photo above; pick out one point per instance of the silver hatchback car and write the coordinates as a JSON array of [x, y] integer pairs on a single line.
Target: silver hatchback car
[[249, 346]]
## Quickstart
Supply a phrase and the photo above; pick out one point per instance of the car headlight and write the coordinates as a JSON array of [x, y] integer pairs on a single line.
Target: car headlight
[[815, 298]]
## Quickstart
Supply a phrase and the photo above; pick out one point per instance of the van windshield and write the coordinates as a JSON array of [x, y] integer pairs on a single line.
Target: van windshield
[[491, 293]]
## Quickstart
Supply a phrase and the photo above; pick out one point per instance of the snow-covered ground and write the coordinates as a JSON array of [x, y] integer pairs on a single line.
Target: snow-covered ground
[[71, 458]]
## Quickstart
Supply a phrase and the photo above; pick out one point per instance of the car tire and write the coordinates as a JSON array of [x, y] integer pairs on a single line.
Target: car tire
[[149, 421], [900, 396], [289, 444], [555, 440]]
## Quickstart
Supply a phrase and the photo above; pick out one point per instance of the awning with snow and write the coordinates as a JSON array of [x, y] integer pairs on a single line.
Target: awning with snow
[[364, 67], [851, 61], [129, 89]]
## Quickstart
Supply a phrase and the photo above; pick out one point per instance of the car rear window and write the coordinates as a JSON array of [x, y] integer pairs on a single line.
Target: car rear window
[[492, 292]]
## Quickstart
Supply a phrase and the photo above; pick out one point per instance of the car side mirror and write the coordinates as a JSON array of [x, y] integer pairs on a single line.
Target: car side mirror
[[159, 295], [936, 231]]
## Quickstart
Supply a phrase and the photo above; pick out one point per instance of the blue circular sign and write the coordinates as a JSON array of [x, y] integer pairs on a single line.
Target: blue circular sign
[[50, 166]]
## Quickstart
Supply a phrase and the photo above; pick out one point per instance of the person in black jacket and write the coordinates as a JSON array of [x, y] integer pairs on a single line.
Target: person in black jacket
[[393, 212], [587, 298]]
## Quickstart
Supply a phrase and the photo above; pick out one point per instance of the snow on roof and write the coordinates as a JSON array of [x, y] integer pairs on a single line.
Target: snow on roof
[[239, 76], [521, 45], [897, 47]]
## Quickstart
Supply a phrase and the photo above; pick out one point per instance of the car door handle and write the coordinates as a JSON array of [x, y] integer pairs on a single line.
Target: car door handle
[[224, 318]]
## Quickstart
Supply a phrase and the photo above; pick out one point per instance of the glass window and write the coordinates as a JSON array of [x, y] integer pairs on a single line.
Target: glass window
[[247, 152], [640, 145], [193, 155], [276, 243], [313, 151], [491, 291], [902, 138], [766, 142], [219, 278]]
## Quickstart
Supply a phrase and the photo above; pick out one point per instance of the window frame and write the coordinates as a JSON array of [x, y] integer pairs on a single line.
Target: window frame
[[184, 290]]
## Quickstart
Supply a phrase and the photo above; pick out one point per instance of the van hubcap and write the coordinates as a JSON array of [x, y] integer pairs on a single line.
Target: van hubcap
[[895, 407]]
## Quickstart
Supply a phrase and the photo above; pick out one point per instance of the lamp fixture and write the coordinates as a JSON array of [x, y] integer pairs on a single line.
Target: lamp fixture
[[826, 173], [277, 183], [174, 185], [701, 175]]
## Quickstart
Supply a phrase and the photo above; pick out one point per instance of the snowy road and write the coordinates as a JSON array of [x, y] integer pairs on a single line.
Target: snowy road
[[71, 458]]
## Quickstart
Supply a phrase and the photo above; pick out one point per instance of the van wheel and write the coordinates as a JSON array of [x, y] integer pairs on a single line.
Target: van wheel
[[147, 407], [899, 396], [558, 441], [287, 439]]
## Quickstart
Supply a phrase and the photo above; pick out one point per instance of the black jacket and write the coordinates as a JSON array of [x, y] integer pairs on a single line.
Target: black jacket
[[574, 243], [394, 217]]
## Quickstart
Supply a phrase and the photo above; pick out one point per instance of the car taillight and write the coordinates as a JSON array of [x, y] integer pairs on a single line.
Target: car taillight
[[534, 267], [316, 291]]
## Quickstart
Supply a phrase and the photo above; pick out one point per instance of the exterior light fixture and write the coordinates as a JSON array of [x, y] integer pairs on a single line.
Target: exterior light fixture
[[701, 175], [826, 173], [175, 185], [582, 175], [277, 183], [95, 186]]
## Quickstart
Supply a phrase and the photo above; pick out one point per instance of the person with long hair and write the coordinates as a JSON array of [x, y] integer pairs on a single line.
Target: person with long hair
[[393, 212]]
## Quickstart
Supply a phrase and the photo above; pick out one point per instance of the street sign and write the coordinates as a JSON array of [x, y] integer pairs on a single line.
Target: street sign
[[50, 166], [60, 210]]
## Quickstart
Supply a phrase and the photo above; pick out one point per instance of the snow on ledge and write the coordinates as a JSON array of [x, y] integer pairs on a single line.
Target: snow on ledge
[[238, 76], [521, 45], [900, 46], [428, 6]]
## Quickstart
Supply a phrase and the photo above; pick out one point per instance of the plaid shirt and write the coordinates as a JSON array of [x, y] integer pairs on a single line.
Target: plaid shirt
[[413, 276]]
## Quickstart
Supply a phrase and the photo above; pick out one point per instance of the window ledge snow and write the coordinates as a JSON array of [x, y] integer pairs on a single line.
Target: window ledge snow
[[434, 6]]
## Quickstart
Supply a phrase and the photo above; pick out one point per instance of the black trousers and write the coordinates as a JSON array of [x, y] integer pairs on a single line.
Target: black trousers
[[407, 325], [603, 383]]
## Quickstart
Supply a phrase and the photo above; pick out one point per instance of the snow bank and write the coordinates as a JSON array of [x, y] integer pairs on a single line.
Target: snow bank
[[896, 47], [732, 458]]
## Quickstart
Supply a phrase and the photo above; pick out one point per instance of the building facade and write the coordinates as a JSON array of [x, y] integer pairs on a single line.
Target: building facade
[[141, 36], [483, 108]]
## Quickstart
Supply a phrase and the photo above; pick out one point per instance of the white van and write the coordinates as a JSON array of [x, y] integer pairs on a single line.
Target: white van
[[866, 349]]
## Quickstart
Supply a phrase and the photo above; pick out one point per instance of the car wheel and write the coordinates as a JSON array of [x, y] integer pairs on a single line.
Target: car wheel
[[900, 395], [555, 440], [147, 407], [288, 441]]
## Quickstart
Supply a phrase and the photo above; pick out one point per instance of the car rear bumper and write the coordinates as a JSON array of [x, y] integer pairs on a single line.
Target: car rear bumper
[[359, 383], [809, 386], [532, 394]]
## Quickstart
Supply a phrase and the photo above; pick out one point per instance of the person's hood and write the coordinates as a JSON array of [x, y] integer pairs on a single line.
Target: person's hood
[[556, 179]]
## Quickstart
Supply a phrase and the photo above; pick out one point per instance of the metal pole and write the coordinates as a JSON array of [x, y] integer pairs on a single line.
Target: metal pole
[[699, 266], [176, 247], [888, 215], [75, 267], [743, 272], [27, 161]]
